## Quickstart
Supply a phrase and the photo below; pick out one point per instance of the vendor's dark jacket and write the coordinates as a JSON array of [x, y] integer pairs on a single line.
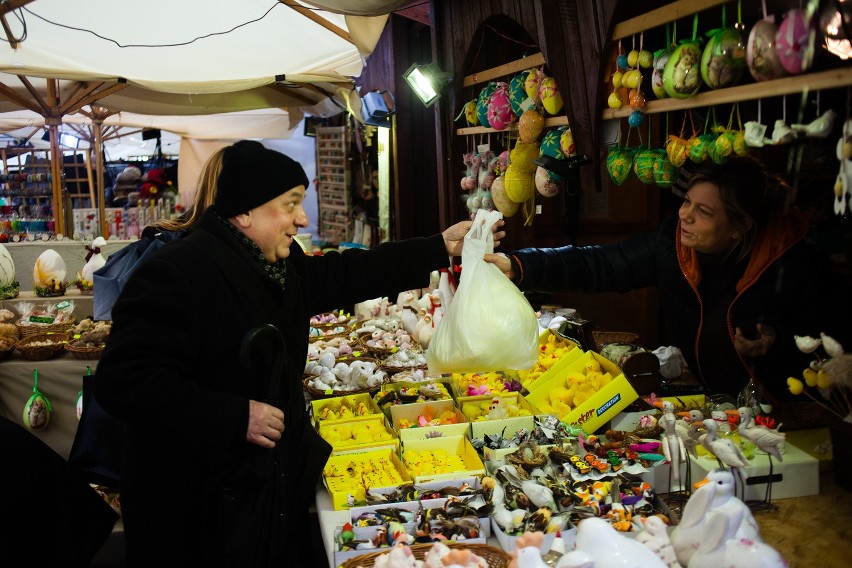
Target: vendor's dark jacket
[[786, 284], [194, 491]]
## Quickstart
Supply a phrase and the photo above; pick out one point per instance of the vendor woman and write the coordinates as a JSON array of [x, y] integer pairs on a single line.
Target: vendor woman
[[736, 278]]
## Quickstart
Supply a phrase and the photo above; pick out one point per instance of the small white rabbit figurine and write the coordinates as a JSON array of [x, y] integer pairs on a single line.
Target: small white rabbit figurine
[[95, 260], [721, 547]]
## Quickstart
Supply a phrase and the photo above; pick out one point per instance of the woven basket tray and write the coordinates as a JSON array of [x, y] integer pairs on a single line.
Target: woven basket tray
[[604, 337], [43, 328], [382, 352], [493, 556], [42, 352], [315, 393], [86, 353]]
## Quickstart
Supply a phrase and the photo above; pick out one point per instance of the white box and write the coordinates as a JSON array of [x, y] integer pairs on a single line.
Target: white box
[[796, 476]]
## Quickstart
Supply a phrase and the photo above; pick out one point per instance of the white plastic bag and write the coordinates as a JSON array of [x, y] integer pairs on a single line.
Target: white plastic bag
[[490, 325]]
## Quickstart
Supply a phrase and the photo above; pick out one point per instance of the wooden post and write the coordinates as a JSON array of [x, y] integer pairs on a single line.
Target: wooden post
[[90, 177], [97, 130]]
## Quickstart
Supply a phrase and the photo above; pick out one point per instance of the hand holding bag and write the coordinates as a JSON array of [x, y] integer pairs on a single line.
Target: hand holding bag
[[490, 325]]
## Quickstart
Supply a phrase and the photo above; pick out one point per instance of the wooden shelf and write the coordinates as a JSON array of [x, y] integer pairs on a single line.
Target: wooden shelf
[[661, 16], [505, 69], [786, 86], [548, 123]]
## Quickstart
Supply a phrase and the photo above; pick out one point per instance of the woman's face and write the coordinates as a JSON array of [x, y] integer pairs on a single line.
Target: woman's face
[[704, 223], [274, 224]]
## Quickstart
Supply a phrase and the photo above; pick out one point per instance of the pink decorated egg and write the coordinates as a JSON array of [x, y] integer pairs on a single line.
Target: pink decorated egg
[[500, 113], [793, 42], [762, 60]]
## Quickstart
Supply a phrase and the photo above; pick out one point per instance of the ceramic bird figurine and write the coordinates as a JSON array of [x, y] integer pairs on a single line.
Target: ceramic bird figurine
[[819, 128], [497, 410], [766, 439], [782, 134], [721, 546], [601, 544], [725, 450], [716, 494], [673, 447], [656, 539]]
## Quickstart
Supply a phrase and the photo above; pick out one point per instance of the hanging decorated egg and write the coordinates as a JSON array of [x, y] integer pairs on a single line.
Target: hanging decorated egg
[[531, 84], [566, 142], [544, 184], [722, 147], [548, 92], [7, 268], [761, 57], [635, 119], [37, 412], [682, 73], [699, 146], [614, 100], [740, 147], [517, 94], [522, 157], [482, 103], [550, 144], [793, 42], [501, 201], [677, 150], [637, 99], [622, 62], [519, 184], [530, 126], [724, 59], [500, 113], [661, 57], [619, 163], [49, 269], [643, 165], [665, 173], [470, 113]]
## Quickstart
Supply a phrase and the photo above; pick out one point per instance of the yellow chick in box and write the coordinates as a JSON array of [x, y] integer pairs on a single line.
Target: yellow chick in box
[[549, 353], [577, 389]]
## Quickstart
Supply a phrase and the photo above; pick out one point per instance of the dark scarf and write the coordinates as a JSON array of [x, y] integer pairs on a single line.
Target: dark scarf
[[277, 271]]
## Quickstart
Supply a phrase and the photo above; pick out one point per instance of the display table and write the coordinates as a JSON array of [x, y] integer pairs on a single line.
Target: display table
[[59, 380], [24, 255]]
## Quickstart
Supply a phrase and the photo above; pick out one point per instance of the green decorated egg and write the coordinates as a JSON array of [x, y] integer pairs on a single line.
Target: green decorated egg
[[643, 165], [722, 147], [517, 94], [619, 163], [482, 103], [550, 144], [724, 59], [682, 73], [660, 59], [665, 173]]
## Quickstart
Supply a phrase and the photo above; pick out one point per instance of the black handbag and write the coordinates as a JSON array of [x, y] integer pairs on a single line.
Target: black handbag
[[98, 448]]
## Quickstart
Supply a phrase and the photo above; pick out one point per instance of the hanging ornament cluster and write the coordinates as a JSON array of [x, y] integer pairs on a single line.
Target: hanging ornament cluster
[[843, 185], [627, 82], [480, 173]]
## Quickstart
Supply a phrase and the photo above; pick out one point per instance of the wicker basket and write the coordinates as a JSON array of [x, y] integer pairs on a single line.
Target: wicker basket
[[316, 393], [382, 352], [605, 337], [43, 328], [6, 351], [42, 352], [325, 330], [493, 556], [85, 353]]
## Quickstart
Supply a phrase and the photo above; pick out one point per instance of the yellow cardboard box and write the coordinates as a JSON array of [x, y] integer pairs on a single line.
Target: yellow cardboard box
[[411, 413], [458, 445], [598, 409], [346, 491], [505, 427], [544, 338], [350, 445], [335, 404]]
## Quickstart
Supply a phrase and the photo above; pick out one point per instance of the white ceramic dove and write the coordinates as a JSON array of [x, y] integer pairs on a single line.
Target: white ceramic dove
[[721, 547], [609, 549]]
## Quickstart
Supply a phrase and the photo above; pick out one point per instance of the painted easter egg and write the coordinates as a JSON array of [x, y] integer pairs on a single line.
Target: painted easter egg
[[566, 142], [530, 126], [501, 201], [500, 113], [482, 103], [49, 267], [793, 42], [665, 173], [682, 73], [519, 184], [37, 412], [470, 113], [522, 157], [551, 98], [722, 147], [619, 164], [660, 59], [723, 59], [643, 165], [531, 84], [761, 58], [517, 94], [677, 150], [550, 144], [7, 268], [544, 184], [740, 147]]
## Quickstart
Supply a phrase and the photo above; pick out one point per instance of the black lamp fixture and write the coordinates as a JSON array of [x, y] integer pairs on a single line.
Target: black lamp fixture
[[426, 81], [377, 108]]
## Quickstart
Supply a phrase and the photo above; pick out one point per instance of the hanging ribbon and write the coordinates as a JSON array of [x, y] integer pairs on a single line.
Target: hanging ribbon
[[92, 251]]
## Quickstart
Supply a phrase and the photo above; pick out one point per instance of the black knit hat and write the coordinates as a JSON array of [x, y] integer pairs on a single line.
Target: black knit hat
[[252, 175]]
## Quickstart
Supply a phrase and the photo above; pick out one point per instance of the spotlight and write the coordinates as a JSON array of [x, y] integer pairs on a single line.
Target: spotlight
[[69, 141], [375, 109], [426, 81]]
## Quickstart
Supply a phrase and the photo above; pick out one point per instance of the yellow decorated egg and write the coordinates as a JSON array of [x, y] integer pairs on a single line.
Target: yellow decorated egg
[[49, 268], [677, 150], [551, 98], [566, 143], [519, 184], [470, 113], [531, 84], [522, 157], [530, 126]]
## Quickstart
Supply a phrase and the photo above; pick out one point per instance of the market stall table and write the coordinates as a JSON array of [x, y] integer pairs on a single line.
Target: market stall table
[[83, 307]]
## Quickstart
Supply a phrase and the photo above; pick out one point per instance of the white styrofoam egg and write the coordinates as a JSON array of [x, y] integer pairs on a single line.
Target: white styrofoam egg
[[7, 268], [49, 266]]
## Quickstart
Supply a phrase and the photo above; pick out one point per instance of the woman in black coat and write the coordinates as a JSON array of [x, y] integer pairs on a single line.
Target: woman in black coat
[[222, 461], [736, 278]]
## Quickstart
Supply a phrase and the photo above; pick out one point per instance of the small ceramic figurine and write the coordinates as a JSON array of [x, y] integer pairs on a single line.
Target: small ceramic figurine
[[720, 546], [656, 539], [725, 451], [673, 447], [598, 544]]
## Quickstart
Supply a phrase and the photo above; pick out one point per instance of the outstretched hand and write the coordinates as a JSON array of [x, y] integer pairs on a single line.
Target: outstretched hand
[[502, 262], [454, 236], [755, 347]]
